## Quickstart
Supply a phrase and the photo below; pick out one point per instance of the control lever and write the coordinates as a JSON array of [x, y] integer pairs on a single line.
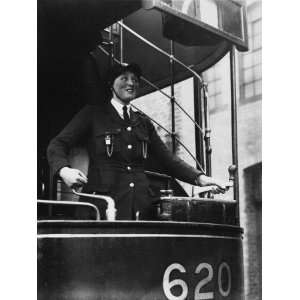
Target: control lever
[[231, 170], [110, 211], [167, 201], [210, 188]]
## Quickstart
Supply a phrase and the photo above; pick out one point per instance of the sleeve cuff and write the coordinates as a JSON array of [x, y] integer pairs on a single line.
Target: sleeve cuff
[[197, 176]]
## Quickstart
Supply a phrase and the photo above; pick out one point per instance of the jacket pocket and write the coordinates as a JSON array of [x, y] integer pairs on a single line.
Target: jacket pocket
[[108, 142], [143, 142]]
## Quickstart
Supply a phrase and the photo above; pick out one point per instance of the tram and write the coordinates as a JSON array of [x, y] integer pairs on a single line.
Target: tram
[[192, 249]]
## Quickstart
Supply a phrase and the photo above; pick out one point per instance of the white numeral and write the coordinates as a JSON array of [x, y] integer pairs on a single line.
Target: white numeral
[[203, 282], [167, 284], [223, 292]]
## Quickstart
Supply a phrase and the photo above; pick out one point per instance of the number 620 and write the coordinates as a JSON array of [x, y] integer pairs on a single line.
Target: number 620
[[198, 295]]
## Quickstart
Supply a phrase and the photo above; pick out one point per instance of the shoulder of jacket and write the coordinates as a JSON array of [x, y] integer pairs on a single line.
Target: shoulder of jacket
[[141, 115], [96, 109], [145, 119]]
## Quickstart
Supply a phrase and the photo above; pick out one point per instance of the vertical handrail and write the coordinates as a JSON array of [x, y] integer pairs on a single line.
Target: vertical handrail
[[234, 129], [111, 45], [172, 97], [121, 43], [198, 115], [207, 132]]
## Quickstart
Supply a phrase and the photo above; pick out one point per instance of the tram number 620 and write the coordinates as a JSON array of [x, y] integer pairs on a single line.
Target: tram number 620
[[198, 295]]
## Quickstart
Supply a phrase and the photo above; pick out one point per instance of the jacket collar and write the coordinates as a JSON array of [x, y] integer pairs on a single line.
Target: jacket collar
[[115, 117], [119, 107]]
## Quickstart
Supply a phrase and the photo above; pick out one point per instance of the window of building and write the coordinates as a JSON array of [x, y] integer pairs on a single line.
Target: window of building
[[218, 81], [250, 62], [213, 78]]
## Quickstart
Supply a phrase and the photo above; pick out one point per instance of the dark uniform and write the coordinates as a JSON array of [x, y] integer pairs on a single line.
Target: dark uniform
[[118, 152]]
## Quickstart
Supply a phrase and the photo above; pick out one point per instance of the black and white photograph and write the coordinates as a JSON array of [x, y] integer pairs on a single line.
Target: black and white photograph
[[149, 149], [138, 139]]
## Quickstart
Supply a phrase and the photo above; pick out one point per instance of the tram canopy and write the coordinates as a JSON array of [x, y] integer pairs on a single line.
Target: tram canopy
[[68, 30]]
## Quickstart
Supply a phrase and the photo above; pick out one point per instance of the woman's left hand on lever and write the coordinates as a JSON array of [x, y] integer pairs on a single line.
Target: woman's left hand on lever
[[217, 186]]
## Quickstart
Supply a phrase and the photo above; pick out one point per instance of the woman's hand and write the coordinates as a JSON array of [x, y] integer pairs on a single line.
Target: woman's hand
[[217, 185], [72, 177]]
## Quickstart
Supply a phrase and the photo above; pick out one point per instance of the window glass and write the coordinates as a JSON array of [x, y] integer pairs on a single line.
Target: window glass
[[247, 60], [219, 98], [249, 90], [256, 42], [218, 81], [248, 75], [256, 57], [258, 87], [211, 89], [209, 75], [249, 29], [250, 67], [218, 86], [257, 72], [251, 15], [256, 27], [212, 103]]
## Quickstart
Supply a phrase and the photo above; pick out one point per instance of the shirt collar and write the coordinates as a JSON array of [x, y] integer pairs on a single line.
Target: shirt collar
[[119, 107]]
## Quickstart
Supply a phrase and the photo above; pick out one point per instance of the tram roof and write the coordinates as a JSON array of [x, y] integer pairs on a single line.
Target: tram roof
[[69, 29]]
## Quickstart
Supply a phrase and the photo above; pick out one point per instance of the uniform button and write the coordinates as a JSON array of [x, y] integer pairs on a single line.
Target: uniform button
[[129, 146], [129, 128], [131, 184], [128, 168]]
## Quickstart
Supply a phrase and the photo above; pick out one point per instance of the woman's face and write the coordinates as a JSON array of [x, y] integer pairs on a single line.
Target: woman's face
[[125, 87]]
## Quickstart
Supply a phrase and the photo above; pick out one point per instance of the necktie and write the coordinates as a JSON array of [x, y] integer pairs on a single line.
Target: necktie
[[125, 114]]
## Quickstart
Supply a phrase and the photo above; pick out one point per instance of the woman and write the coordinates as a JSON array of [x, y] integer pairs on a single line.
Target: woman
[[119, 142]]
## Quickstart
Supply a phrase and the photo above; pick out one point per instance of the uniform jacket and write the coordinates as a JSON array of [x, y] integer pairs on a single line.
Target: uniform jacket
[[118, 152]]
